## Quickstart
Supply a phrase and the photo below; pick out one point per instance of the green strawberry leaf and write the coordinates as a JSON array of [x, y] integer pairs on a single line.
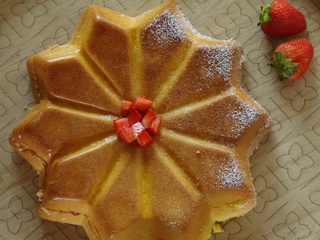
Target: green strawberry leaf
[[284, 65], [265, 13]]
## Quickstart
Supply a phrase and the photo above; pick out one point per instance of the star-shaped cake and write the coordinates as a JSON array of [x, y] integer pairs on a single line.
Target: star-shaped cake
[[140, 128]]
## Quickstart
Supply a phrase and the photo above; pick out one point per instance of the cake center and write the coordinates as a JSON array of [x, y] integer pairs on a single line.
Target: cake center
[[138, 122]]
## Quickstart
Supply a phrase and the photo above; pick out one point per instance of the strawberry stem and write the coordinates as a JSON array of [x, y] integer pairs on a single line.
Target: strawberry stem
[[265, 14], [284, 65]]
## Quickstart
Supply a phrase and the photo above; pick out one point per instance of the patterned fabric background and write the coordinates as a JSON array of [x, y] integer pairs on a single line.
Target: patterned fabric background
[[286, 167]]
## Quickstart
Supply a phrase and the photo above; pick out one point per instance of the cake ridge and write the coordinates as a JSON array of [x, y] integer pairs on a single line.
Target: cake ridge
[[135, 60], [183, 177], [180, 61], [145, 187], [239, 114], [217, 61], [74, 147], [114, 172], [101, 27], [210, 160], [46, 83], [71, 109], [165, 28], [229, 173], [87, 147], [100, 77], [195, 141], [57, 173], [189, 107]]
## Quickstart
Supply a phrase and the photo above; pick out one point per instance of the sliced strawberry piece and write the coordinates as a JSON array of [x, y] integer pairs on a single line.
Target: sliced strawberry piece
[[134, 116], [154, 128], [138, 122], [125, 107], [148, 118], [144, 138], [137, 128], [126, 135], [120, 124], [142, 104]]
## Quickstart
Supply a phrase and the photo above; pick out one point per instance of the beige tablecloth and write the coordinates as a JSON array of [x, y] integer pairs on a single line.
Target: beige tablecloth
[[285, 169]]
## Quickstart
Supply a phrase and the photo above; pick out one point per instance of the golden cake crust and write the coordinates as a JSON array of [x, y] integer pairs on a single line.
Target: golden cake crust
[[195, 173]]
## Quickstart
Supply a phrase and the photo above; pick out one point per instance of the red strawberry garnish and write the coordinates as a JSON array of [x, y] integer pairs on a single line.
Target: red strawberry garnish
[[142, 104], [144, 138], [125, 107], [126, 135], [279, 18], [120, 124], [148, 118], [154, 128], [292, 58], [137, 128], [134, 116], [75, 213], [138, 122]]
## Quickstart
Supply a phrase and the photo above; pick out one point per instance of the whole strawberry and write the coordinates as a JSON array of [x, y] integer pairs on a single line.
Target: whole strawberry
[[279, 19], [292, 58]]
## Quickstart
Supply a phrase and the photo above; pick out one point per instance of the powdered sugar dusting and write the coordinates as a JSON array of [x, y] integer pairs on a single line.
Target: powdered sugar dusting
[[220, 60], [171, 25], [166, 28], [244, 115], [230, 174]]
